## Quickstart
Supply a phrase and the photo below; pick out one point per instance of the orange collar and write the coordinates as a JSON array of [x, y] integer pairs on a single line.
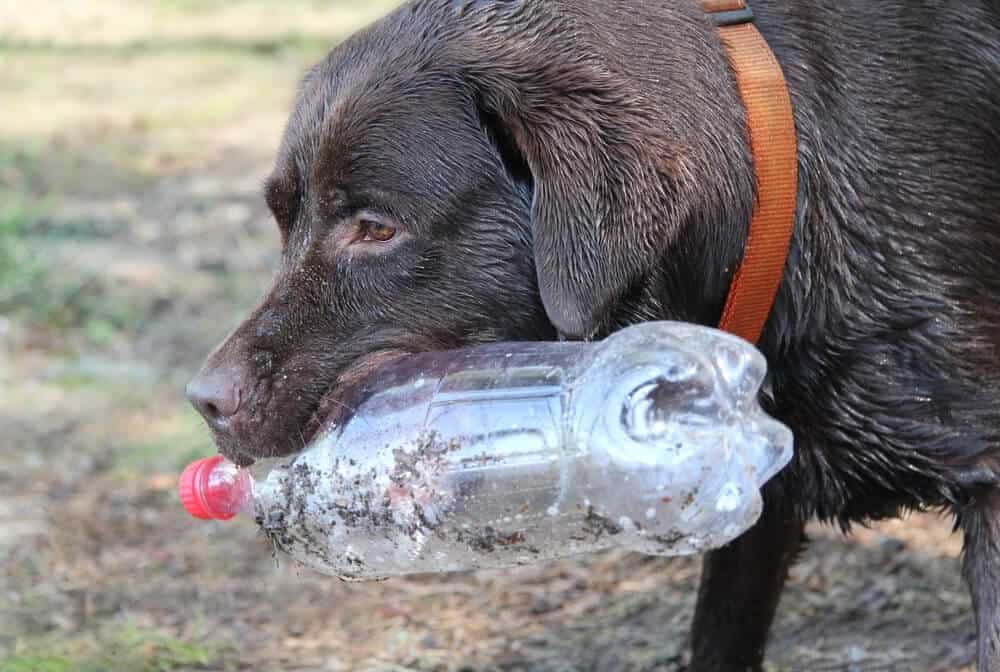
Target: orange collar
[[773, 146]]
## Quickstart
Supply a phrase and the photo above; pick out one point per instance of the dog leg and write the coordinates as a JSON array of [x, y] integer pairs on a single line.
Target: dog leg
[[740, 588], [981, 567]]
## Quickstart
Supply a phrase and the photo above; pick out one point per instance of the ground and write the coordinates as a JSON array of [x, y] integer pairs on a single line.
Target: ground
[[134, 138]]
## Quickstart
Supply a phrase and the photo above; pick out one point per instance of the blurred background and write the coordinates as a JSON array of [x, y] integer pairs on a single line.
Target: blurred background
[[134, 139]]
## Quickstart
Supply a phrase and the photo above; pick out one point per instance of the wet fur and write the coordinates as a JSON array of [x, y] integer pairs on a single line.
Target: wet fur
[[575, 167]]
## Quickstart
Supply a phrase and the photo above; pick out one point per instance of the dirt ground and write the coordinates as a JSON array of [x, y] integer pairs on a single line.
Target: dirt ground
[[133, 142]]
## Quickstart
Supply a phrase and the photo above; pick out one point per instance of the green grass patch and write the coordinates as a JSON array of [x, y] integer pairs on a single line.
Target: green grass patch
[[33, 663], [96, 311], [150, 429], [21, 271], [45, 294], [129, 385], [171, 442], [29, 287], [128, 649]]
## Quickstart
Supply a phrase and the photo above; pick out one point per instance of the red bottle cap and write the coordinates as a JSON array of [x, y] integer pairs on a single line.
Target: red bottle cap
[[215, 499]]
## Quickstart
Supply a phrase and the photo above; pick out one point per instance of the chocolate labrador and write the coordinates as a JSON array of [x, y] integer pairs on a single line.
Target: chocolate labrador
[[475, 170]]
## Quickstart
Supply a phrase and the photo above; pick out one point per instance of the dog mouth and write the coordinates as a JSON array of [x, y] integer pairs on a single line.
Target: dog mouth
[[335, 404]]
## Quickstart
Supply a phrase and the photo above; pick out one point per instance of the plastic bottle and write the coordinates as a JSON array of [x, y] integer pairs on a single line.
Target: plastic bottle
[[513, 453]]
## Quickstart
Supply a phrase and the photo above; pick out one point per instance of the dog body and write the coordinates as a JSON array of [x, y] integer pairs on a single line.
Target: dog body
[[466, 171]]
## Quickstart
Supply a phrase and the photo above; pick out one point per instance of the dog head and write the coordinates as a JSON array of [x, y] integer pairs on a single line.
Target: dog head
[[468, 172]]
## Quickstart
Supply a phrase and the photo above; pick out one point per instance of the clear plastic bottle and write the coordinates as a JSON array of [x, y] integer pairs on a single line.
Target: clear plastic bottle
[[513, 453]]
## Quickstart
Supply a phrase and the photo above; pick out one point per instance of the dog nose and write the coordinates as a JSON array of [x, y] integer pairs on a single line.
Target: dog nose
[[216, 394]]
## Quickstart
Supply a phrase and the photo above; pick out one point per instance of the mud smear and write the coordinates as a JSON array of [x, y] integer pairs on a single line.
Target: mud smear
[[597, 525]]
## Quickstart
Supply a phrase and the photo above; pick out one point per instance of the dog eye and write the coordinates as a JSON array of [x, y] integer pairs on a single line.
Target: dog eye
[[377, 232]]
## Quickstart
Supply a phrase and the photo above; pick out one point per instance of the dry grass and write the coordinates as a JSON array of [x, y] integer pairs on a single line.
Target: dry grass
[[163, 79], [114, 23]]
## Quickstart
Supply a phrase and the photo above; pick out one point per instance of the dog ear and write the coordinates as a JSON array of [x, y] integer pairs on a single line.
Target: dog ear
[[614, 160], [600, 211], [635, 142]]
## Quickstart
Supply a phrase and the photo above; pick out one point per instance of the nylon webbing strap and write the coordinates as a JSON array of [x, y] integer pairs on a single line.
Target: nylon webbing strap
[[773, 147]]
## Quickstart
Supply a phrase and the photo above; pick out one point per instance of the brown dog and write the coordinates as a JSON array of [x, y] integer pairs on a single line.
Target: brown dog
[[468, 171]]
